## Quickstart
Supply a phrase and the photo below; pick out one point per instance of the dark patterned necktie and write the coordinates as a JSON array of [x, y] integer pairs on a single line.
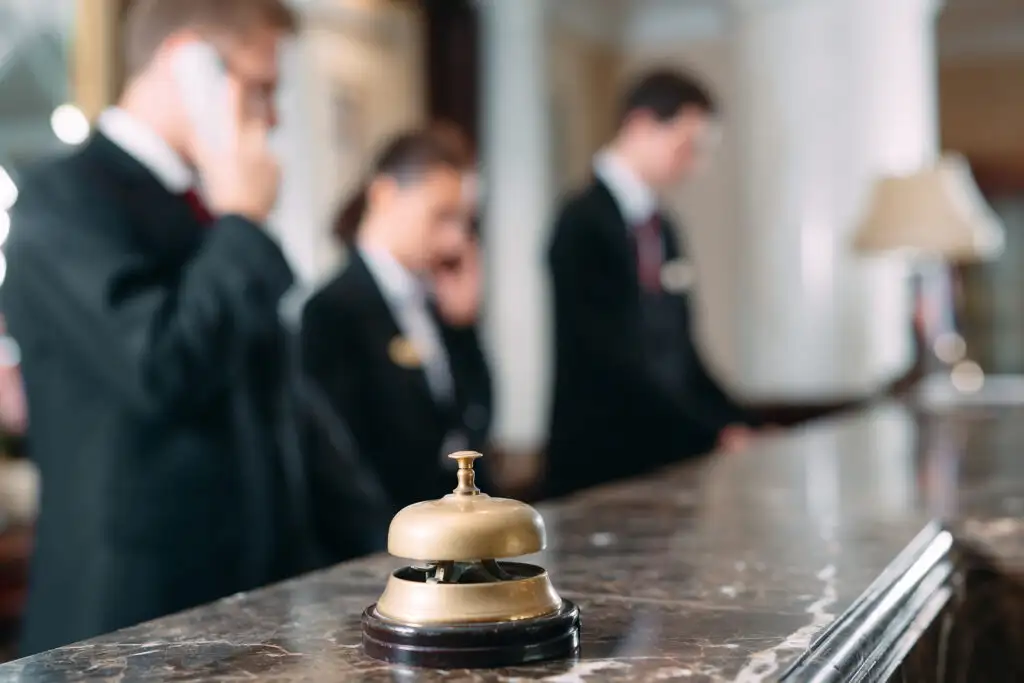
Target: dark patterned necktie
[[199, 210], [649, 253]]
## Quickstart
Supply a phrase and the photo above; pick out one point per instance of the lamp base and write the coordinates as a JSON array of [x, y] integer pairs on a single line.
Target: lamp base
[[474, 646]]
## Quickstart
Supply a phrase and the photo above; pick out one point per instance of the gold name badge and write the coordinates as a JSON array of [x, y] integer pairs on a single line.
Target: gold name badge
[[403, 353], [678, 277]]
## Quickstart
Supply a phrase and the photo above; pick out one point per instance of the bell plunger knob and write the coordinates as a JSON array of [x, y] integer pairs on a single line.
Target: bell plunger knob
[[466, 475]]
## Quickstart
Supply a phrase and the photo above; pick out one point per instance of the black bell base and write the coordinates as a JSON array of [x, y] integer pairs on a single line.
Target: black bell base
[[474, 646]]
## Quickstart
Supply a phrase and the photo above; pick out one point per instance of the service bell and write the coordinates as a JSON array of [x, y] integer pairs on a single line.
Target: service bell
[[462, 605]]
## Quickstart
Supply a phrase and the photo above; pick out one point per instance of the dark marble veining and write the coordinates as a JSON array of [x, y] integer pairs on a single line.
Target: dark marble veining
[[727, 569]]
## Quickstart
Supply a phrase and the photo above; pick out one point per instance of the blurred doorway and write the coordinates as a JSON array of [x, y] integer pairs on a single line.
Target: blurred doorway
[[453, 64]]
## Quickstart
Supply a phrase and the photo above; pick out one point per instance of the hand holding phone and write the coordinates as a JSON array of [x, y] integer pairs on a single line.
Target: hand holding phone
[[202, 80], [458, 286], [245, 177], [232, 152]]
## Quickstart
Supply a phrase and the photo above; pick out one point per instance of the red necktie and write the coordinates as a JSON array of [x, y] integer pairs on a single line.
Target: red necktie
[[649, 254], [199, 210]]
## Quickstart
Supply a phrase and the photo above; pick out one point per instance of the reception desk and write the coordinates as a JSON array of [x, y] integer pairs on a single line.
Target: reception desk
[[815, 556]]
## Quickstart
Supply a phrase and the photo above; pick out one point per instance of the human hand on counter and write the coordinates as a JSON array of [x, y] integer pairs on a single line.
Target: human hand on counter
[[735, 438]]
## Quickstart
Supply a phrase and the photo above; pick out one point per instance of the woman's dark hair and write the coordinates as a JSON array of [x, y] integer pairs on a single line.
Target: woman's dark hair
[[406, 159]]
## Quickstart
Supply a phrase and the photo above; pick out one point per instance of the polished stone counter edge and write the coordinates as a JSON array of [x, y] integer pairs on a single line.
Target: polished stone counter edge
[[873, 636]]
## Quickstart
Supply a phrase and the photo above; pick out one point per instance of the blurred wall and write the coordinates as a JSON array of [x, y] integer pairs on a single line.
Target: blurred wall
[[98, 72], [584, 90], [35, 78], [355, 78], [981, 101], [981, 50]]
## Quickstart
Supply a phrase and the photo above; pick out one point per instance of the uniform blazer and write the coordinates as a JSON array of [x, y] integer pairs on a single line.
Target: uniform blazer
[[151, 352], [613, 413], [399, 428]]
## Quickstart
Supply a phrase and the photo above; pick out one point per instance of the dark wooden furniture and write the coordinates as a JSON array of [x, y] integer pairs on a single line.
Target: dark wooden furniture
[[452, 64]]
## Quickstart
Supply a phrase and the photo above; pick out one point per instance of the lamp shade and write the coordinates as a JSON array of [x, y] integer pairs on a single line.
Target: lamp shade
[[937, 212]]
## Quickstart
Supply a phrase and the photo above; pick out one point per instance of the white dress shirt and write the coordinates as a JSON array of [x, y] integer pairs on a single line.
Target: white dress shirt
[[637, 201], [147, 147], [406, 296]]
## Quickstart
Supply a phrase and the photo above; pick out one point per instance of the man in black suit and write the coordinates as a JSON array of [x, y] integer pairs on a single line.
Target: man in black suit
[[631, 391], [391, 340], [148, 320]]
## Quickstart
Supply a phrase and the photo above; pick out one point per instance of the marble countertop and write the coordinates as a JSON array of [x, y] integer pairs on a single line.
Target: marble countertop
[[725, 569]]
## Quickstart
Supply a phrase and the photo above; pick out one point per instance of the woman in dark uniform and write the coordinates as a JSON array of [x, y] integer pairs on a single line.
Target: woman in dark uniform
[[390, 340]]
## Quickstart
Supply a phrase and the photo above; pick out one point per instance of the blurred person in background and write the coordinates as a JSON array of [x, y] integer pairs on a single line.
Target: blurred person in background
[[631, 390], [390, 339], [148, 322]]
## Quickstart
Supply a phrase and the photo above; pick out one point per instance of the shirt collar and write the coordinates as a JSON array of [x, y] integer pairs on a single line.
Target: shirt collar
[[147, 147], [635, 198], [395, 280]]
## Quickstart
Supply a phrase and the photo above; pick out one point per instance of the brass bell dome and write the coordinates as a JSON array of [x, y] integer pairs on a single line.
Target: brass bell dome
[[456, 542], [466, 525]]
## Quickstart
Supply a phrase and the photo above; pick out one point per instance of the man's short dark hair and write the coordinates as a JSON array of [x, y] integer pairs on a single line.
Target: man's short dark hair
[[149, 23], [664, 94]]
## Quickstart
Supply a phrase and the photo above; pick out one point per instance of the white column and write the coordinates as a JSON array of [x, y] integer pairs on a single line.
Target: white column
[[349, 82], [829, 94], [518, 200], [300, 217]]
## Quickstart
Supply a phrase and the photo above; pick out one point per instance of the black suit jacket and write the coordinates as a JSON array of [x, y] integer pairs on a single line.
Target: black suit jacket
[[614, 413], [398, 426], [152, 362]]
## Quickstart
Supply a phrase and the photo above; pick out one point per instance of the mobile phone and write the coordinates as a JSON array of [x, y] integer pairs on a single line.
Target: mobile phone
[[203, 81]]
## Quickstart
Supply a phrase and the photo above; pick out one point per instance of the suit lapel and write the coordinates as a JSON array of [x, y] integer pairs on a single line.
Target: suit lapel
[[616, 231], [390, 336], [675, 247], [164, 222], [445, 337], [619, 235]]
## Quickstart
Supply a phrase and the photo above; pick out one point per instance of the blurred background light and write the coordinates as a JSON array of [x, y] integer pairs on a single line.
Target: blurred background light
[[69, 124], [950, 347], [8, 190], [967, 377], [5, 226]]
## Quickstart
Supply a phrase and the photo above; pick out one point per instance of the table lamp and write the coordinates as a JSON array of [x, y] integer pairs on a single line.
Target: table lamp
[[936, 216], [937, 212]]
